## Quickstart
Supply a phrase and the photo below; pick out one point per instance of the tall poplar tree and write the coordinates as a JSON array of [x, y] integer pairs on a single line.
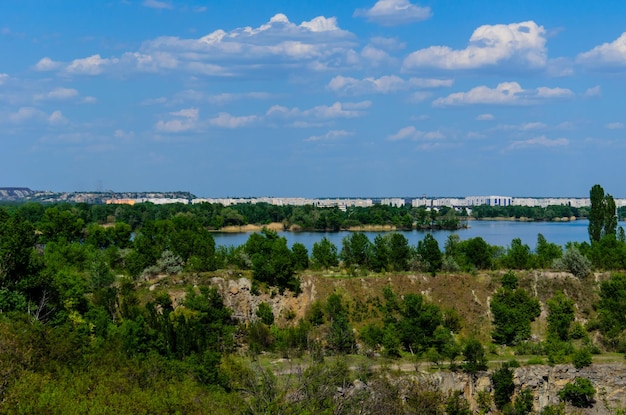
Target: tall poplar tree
[[602, 219]]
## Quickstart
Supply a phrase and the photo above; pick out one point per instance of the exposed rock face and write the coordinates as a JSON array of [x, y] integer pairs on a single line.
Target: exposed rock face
[[544, 381]]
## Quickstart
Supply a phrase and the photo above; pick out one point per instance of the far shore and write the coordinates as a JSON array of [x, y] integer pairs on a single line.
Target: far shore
[[279, 226]]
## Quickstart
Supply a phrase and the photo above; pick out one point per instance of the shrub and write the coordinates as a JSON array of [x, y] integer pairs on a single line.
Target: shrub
[[580, 393], [581, 358], [573, 261]]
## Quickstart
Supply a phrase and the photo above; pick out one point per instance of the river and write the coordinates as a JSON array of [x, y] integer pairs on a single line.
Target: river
[[494, 232]]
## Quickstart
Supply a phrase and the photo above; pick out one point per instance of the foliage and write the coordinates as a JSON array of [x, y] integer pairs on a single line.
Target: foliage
[[611, 306], [265, 314], [356, 250], [513, 310], [602, 218], [503, 386], [581, 358], [474, 356], [340, 337], [428, 249], [573, 261], [560, 316], [524, 402], [579, 393], [272, 261], [324, 254]]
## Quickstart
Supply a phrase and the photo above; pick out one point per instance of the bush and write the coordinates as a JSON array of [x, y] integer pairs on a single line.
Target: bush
[[581, 358], [573, 261], [580, 393]]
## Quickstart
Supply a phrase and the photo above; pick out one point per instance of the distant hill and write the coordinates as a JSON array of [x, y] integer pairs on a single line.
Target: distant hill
[[14, 193]]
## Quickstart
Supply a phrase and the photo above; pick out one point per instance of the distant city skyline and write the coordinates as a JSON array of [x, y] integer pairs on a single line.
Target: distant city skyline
[[314, 99]]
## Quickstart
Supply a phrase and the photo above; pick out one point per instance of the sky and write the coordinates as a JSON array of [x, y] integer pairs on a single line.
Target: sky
[[314, 98]]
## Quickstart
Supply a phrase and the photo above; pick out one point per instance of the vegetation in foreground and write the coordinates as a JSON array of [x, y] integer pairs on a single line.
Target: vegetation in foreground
[[82, 331]]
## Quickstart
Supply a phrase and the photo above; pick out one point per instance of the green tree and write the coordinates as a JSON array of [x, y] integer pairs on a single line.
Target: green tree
[[560, 316], [474, 355], [518, 255], [546, 252], [300, 256], [503, 386], [340, 337], [513, 310], [524, 402], [602, 218], [265, 314], [580, 393], [356, 250], [272, 260], [324, 254], [428, 249]]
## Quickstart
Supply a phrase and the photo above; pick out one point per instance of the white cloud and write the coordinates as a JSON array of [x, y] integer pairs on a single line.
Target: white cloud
[[156, 4], [186, 119], [336, 110], [419, 96], [28, 115], [485, 117], [331, 135], [47, 64], [57, 118], [541, 141], [394, 12], [595, 91], [92, 65], [226, 120], [506, 93], [490, 45], [58, 94], [3, 78], [412, 133], [532, 126], [609, 56], [383, 85], [615, 126], [124, 135], [277, 47]]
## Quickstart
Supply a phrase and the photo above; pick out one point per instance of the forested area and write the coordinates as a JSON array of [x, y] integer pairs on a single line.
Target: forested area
[[80, 332]]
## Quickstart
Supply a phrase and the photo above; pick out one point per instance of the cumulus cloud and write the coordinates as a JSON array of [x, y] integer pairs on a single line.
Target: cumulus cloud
[[26, 115], [595, 91], [330, 135], [185, 120], [615, 126], [541, 141], [315, 45], [383, 85], [57, 118], [394, 12], [58, 94], [485, 117], [490, 45], [47, 64], [506, 93], [608, 56], [336, 110], [412, 133], [92, 65], [226, 120]]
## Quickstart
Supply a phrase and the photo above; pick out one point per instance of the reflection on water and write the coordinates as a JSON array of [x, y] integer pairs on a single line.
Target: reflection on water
[[494, 232]]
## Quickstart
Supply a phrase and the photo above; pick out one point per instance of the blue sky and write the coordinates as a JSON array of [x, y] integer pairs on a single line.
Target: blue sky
[[314, 98]]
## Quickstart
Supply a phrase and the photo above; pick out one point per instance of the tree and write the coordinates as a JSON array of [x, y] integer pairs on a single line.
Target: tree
[[300, 256], [573, 261], [518, 255], [356, 250], [546, 252], [602, 218], [272, 260], [513, 310], [580, 393], [324, 254], [474, 356], [428, 249], [560, 316], [340, 337], [503, 386]]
